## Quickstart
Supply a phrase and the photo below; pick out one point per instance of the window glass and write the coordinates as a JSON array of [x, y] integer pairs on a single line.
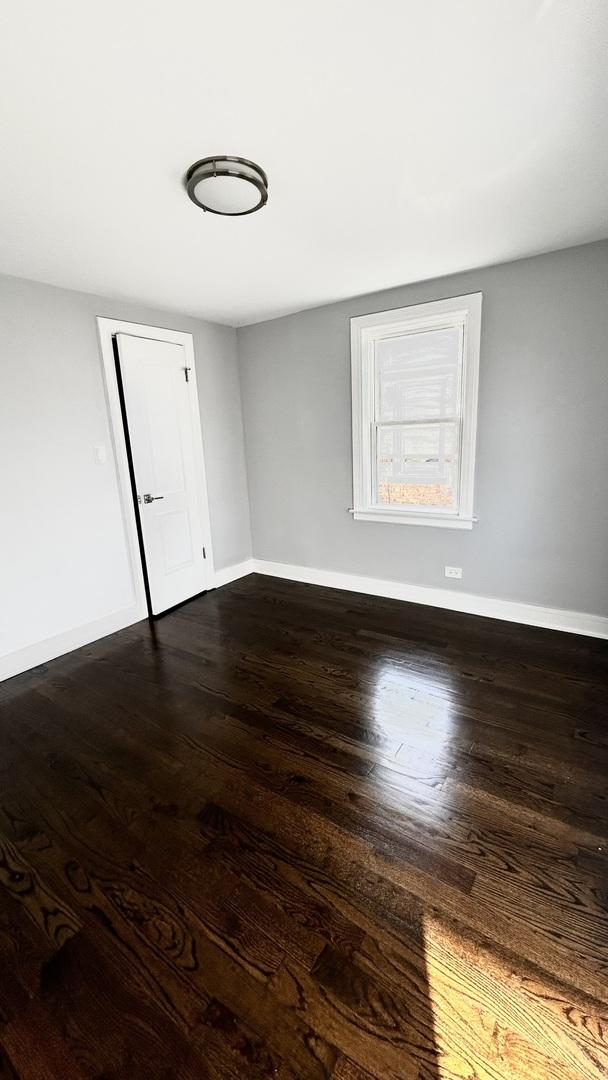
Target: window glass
[[418, 375], [417, 465]]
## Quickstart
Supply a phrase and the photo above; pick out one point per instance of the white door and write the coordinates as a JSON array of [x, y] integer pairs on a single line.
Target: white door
[[161, 406]]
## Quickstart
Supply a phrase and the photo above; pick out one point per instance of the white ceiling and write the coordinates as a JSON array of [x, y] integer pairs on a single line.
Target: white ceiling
[[403, 139]]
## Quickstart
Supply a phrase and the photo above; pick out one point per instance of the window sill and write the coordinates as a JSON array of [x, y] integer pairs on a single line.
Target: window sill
[[437, 521]]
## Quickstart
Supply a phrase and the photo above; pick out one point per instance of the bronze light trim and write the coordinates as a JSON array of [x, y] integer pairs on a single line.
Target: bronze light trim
[[225, 165]]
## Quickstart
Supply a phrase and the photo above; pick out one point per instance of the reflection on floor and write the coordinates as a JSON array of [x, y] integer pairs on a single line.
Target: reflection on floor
[[293, 832]]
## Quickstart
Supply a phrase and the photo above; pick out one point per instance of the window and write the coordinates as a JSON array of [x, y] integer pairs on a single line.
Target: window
[[415, 374]]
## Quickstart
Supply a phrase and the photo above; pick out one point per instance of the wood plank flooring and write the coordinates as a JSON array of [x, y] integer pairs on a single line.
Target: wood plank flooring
[[293, 832]]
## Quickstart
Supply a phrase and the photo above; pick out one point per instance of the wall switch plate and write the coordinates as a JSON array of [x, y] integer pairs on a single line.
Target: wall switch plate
[[100, 455], [453, 571]]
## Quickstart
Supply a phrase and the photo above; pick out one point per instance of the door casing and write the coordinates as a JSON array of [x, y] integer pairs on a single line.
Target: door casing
[[107, 329]]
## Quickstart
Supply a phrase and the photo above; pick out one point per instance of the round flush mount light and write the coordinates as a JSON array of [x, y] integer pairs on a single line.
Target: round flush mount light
[[227, 185]]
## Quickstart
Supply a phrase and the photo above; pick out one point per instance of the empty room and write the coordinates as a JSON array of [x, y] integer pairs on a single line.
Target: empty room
[[304, 540]]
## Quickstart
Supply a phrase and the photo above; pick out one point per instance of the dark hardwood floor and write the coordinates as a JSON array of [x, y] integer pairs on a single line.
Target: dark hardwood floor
[[293, 832]]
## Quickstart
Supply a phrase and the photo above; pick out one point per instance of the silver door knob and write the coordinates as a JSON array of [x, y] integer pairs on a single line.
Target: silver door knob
[[152, 498]]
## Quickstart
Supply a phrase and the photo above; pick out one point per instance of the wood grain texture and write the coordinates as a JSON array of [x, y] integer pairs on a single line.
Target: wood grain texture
[[292, 832]]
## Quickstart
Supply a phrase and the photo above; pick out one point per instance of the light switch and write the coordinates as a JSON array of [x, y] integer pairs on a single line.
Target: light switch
[[100, 454]]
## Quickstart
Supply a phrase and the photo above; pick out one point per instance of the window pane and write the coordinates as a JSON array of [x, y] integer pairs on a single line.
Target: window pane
[[417, 465], [418, 375]]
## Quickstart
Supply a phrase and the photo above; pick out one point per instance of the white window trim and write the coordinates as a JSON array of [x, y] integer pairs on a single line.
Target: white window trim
[[365, 331]]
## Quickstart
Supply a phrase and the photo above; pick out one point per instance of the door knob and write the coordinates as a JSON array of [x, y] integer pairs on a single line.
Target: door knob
[[152, 498]]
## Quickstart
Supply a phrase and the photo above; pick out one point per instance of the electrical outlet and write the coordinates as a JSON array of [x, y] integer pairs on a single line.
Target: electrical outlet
[[453, 571]]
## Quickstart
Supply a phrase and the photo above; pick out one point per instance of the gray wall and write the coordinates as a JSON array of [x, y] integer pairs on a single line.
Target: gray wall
[[542, 452], [63, 557]]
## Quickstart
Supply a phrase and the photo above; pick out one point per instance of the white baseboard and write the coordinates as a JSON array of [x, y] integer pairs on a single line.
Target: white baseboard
[[49, 649], [232, 573], [573, 622]]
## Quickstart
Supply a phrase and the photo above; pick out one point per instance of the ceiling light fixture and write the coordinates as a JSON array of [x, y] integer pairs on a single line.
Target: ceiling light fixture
[[227, 185]]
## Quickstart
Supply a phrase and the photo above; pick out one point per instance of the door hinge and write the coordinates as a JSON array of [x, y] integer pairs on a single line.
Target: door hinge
[[204, 553], [186, 370]]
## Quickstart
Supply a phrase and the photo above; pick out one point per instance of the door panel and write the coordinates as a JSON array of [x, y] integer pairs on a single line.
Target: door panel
[[160, 419]]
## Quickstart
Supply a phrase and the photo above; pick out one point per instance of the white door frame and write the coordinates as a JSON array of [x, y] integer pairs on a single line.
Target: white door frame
[[106, 329]]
